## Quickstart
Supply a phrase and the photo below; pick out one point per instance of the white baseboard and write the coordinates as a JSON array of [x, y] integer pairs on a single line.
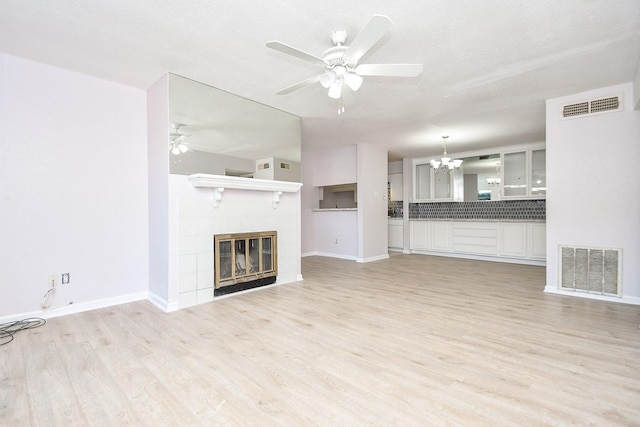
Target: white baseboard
[[162, 303], [623, 299], [541, 263], [373, 258], [77, 307], [330, 255]]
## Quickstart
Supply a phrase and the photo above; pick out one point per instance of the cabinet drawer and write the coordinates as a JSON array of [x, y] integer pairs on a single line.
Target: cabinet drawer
[[478, 238]]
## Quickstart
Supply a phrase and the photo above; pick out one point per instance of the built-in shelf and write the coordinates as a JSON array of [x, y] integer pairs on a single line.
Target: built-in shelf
[[218, 183]]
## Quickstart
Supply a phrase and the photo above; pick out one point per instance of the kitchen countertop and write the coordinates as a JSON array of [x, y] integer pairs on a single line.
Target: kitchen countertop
[[542, 221], [335, 210]]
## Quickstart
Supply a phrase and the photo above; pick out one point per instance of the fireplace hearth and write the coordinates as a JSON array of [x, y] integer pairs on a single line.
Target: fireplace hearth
[[244, 261]]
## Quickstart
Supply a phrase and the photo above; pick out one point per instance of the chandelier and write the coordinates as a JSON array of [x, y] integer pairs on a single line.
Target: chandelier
[[446, 162]]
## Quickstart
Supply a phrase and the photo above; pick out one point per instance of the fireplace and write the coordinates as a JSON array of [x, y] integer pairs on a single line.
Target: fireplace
[[244, 261]]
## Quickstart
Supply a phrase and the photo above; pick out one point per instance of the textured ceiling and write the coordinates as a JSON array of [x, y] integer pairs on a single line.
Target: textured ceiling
[[488, 66]]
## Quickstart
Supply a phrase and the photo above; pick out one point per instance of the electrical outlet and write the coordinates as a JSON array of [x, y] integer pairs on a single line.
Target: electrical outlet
[[53, 280], [66, 278]]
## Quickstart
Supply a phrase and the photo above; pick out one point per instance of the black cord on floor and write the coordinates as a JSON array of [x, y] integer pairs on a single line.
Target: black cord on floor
[[9, 329]]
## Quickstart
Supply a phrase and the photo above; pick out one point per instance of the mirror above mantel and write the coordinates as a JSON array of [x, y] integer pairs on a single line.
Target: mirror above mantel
[[229, 135]]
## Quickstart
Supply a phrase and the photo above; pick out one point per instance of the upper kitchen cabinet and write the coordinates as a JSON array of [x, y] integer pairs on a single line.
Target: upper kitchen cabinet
[[524, 174], [513, 172], [539, 172], [437, 185], [395, 187]]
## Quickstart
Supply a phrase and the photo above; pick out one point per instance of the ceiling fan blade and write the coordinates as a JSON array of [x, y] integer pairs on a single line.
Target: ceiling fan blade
[[299, 85], [289, 50], [370, 34], [389, 70]]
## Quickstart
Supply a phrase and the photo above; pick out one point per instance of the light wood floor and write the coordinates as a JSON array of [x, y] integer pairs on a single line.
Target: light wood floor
[[412, 340]]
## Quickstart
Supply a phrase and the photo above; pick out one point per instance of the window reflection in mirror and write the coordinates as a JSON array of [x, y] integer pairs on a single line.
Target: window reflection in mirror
[[481, 177]]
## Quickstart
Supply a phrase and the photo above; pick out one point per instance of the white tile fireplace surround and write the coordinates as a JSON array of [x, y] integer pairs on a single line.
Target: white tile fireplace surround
[[202, 206]]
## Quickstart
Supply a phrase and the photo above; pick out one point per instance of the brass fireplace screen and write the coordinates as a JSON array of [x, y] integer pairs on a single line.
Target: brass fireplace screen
[[244, 261]]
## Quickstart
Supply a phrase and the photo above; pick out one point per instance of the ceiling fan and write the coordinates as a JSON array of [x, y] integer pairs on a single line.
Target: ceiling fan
[[340, 62]]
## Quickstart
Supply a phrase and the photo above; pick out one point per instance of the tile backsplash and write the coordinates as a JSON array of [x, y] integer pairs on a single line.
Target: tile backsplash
[[395, 209], [514, 210]]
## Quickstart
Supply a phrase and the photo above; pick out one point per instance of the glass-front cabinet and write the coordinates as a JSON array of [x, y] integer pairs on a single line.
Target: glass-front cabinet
[[443, 184], [515, 172], [539, 172], [524, 174], [422, 182], [436, 185]]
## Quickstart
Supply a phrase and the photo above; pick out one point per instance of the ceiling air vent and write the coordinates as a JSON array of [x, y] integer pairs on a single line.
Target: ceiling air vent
[[595, 106]]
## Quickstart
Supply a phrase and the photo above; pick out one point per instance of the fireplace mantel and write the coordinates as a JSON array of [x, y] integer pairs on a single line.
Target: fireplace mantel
[[221, 182]]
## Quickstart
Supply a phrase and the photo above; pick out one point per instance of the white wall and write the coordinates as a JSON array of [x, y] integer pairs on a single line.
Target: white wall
[[372, 203], [337, 234], [407, 198], [636, 87], [308, 201], [73, 189], [593, 181], [337, 165], [158, 189], [364, 238]]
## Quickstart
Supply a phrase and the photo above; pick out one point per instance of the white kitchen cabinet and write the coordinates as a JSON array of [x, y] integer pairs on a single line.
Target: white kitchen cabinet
[[419, 235], [537, 241], [475, 237], [440, 236], [422, 182], [539, 172], [442, 185], [514, 179], [524, 241], [513, 239], [395, 187], [524, 174], [396, 234]]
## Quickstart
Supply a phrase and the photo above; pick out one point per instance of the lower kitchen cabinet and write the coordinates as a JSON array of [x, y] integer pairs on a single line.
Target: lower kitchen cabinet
[[510, 240], [513, 239], [396, 234]]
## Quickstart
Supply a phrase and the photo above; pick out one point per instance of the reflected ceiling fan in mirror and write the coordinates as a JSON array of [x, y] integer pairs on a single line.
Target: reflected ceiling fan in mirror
[[177, 140], [340, 62]]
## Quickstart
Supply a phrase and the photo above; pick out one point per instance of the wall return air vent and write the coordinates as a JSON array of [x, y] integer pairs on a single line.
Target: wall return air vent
[[607, 104], [593, 270]]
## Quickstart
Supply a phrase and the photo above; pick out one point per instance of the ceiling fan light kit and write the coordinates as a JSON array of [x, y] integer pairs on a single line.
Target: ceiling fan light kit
[[340, 62], [177, 141]]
